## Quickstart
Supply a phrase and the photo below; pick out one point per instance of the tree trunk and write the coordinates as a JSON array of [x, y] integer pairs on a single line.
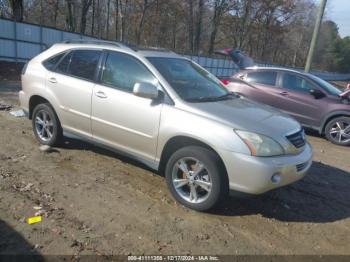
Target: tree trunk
[[41, 13], [219, 9], [17, 10], [84, 9], [116, 20], [107, 20], [70, 15], [197, 39], [146, 5], [190, 24], [93, 18], [212, 40], [174, 30], [56, 12], [99, 19], [123, 10]]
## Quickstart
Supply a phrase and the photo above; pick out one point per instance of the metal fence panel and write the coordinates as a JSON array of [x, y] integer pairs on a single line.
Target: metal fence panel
[[51, 36], [27, 50], [7, 30], [7, 48], [28, 32]]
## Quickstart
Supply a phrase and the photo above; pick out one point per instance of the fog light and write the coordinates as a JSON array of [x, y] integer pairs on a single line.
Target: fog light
[[276, 178]]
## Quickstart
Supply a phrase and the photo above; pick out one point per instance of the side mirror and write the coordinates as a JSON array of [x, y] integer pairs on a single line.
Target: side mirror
[[145, 90], [317, 93]]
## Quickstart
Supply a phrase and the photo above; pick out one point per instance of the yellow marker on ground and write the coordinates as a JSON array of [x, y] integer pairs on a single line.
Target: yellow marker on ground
[[33, 220]]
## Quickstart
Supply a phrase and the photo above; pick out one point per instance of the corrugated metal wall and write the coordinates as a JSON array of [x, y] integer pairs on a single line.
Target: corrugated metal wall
[[20, 42]]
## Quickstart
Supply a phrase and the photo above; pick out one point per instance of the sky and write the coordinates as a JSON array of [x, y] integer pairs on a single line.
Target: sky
[[339, 12]]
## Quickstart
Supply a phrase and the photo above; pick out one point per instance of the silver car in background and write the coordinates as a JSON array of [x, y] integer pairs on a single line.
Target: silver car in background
[[167, 112]]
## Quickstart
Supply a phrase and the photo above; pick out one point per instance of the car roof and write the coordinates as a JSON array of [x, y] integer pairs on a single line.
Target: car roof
[[267, 68]]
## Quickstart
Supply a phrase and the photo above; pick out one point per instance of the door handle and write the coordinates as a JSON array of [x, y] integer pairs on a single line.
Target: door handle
[[101, 94], [53, 80], [284, 93]]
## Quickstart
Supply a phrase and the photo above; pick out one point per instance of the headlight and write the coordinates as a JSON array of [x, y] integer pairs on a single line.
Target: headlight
[[260, 145]]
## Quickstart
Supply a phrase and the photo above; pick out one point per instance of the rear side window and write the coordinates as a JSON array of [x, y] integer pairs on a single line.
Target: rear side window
[[64, 64], [50, 63], [83, 63], [265, 78]]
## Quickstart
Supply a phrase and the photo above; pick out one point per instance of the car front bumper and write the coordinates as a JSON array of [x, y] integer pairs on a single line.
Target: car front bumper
[[256, 175]]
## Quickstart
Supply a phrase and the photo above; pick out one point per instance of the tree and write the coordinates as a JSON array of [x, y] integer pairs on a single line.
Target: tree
[[17, 10], [70, 17], [190, 24], [326, 51], [343, 55], [85, 5], [197, 40], [270, 31], [144, 6], [220, 7], [107, 20]]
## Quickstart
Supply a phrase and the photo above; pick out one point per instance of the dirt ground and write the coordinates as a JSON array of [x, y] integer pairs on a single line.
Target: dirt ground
[[97, 202]]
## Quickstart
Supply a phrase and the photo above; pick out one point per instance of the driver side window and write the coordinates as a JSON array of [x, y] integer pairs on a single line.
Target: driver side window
[[122, 71], [296, 83]]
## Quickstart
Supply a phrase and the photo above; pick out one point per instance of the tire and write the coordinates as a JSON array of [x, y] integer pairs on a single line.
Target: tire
[[337, 131], [210, 184], [51, 134]]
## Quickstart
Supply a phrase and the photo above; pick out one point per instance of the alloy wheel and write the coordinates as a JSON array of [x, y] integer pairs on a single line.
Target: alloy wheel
[[44, 125], [340, 131], [191, 180]]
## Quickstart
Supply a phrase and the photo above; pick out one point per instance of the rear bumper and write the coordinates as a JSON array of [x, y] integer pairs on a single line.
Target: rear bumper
[[253, 175], [24, 101]]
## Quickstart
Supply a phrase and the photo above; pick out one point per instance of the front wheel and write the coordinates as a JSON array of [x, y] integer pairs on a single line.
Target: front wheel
[[196, 178], [338, 131]]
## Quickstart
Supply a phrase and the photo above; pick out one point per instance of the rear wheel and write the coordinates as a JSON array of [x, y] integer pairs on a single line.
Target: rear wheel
[[195, 178], [338, 131], [46, 126]]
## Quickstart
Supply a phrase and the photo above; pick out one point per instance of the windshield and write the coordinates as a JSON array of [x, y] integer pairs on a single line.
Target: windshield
[[191, 82], [326, 86]]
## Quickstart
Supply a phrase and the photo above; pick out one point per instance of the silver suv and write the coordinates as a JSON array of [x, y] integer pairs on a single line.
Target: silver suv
[[167, 112]]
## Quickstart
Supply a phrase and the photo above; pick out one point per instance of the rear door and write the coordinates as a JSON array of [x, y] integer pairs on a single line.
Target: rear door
[[266, 89], [71, 83], [297, 101]]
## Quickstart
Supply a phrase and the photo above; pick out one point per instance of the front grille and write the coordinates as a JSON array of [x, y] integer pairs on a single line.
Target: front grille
[[297, 139], [302, 166]]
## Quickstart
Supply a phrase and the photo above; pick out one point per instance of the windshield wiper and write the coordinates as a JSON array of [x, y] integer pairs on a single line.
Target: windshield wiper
[[227, 96], [212, 98]]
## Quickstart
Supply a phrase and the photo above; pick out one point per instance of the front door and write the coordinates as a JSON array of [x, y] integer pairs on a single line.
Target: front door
[[297, 101], [119, 118]]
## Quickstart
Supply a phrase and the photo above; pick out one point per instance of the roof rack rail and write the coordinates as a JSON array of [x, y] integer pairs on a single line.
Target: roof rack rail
[[152, 48], [117, 44], [91, 41]]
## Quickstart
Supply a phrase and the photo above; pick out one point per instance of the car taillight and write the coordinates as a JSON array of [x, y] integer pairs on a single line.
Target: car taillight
[[225, 81]]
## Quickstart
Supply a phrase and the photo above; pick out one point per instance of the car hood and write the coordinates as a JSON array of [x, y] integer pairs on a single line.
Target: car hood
[[244, 114]]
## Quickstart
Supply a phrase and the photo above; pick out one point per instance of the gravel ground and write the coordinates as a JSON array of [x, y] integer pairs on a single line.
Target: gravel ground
[[97, 202]]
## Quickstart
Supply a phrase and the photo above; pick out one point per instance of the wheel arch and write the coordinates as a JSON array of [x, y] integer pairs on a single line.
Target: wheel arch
[[35, 100], [330, 117], [180, 141]]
